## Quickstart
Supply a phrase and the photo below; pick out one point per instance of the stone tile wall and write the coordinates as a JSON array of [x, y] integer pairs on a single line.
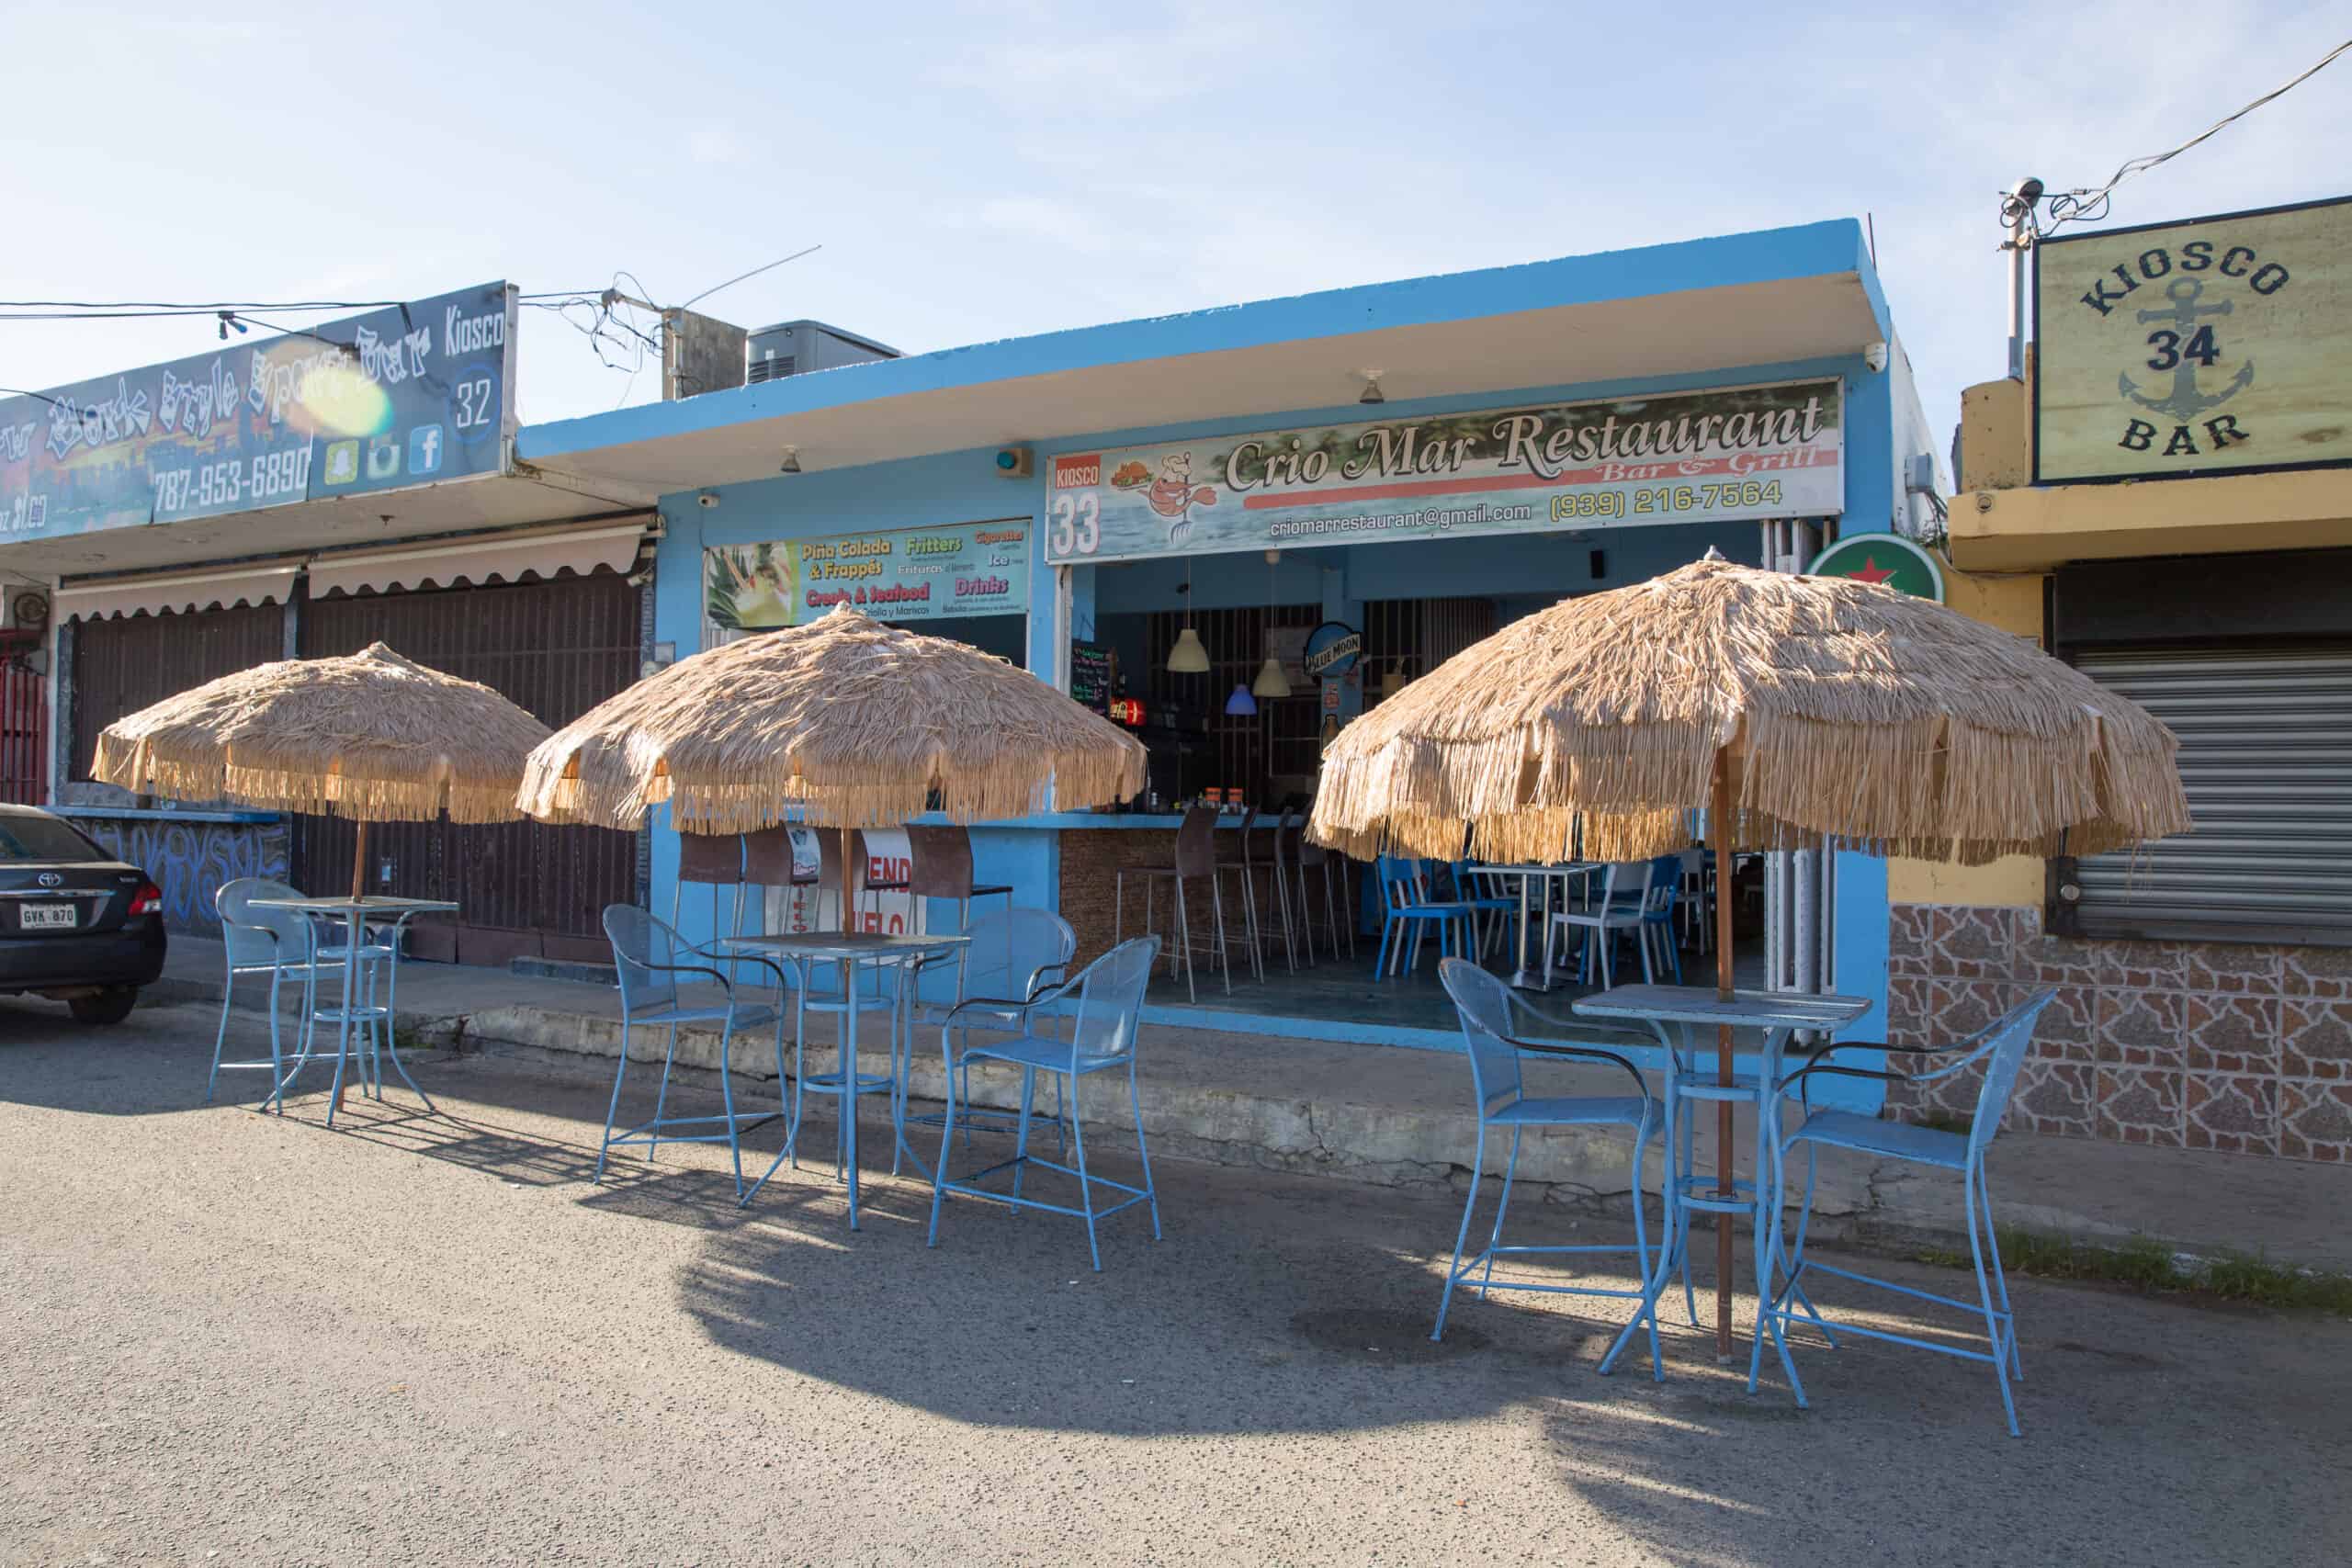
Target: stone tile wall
[[2201, 1045]]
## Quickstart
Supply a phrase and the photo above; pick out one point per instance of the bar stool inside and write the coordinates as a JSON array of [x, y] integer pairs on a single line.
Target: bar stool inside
[[943, 869]]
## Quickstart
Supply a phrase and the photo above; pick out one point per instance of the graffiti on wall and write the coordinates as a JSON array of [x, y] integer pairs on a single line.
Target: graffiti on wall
[[190, 860]]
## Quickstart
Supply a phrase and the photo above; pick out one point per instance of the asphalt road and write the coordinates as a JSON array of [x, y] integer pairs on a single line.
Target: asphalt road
[[233, 1337]]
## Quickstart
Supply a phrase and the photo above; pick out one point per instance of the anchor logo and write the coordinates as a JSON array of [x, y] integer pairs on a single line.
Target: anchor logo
[[2186, 400]]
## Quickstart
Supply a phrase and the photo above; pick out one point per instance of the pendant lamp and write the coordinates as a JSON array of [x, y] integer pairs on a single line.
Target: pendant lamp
[[1188, 657], [1240, 702], [1271, 681]]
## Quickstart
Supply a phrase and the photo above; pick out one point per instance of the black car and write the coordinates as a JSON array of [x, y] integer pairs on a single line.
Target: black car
[[75, 923]]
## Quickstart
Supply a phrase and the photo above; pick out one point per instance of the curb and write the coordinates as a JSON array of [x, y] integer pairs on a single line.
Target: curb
[[1883, 1209]]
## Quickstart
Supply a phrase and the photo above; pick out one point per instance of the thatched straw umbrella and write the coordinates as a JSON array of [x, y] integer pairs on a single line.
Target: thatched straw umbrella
[[843, 723], [1794, 708], [371, 737]]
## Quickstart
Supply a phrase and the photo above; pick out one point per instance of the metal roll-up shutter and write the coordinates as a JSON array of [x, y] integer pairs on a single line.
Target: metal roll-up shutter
[[2266, 755]]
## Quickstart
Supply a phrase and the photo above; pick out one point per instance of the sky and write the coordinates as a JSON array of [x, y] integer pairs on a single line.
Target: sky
[[973, 172]]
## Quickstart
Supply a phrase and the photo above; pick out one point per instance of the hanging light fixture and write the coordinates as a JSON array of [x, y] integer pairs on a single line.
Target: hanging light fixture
[[1188, 657], [1271, 681], [1240, 702], [1392, 680]]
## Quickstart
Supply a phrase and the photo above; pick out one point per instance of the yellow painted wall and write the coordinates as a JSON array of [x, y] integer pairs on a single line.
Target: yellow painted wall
[[2014, 604]]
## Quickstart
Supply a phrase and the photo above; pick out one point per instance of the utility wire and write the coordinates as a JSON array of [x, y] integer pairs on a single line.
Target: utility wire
[[740, 277], [189, 307], [2086, 206]]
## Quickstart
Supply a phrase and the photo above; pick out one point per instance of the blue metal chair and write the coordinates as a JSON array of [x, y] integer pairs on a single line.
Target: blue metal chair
[[1492, 911], [282, 944], [1102, 1003], [1616, 908], [1484, 1004], [1014, 956], [2001, 1046], [646, 954], [1406, 904], [1657, 913]]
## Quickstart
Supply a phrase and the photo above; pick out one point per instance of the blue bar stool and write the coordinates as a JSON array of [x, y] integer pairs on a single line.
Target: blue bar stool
[[1484, 1004]]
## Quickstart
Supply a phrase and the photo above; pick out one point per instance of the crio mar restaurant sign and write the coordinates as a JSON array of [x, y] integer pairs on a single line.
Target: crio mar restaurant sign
[[1708, 457]]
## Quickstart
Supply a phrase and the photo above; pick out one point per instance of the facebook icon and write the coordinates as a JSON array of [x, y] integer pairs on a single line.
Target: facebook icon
[[425, 449]]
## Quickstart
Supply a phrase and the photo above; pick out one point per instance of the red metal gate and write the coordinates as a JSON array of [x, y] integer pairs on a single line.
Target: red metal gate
[[23, 712], [558, 648]]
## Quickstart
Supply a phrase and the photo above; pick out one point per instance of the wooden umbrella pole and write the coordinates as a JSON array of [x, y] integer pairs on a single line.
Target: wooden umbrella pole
[[1719, 830], [352, 932]]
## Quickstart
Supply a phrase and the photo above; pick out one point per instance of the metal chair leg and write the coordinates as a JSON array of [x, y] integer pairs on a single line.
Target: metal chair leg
[[1143, 1155], [1985, 1293], [2000, 1283], [1224, 947], [1183, 925], [661, 1096], [1462, 1236], [1021, 1138], [613, 1110], [1085, 1183], [1495, 1237]]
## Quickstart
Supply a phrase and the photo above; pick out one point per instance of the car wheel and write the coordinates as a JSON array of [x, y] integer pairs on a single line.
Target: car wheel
[[109, 1006]]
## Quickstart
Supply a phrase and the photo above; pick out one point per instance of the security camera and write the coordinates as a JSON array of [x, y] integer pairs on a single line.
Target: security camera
[[1874, 356], [706, 500]]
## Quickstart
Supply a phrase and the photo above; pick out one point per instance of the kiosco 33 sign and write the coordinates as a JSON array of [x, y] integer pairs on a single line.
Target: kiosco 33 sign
[[2211, 345]]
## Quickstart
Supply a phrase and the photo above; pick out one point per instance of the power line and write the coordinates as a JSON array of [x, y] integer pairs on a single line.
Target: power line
[[195, 305], [2084, 206], [740, 277]]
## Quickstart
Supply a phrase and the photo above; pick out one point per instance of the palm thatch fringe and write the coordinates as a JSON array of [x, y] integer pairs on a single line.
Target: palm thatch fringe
[[1846, 711], [846, 723], [372, 736]]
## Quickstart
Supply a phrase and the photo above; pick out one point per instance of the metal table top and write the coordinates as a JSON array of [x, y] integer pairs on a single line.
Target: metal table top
[[1561, 868], [373, 904], [846, 944], [1743, 1010]]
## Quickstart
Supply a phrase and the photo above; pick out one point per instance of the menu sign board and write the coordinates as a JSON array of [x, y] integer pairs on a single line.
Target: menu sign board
[[909, 575], [1090, 675], [413, 394], [2219, 344], [1669, 458]]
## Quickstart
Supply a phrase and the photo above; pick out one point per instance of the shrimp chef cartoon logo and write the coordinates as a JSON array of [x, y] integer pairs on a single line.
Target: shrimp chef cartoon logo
[[1172, 495]]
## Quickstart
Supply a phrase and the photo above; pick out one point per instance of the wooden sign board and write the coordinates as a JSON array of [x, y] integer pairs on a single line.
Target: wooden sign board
[[2216, 345]]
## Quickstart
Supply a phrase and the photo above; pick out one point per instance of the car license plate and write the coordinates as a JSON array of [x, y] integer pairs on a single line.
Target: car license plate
[[47, 917]]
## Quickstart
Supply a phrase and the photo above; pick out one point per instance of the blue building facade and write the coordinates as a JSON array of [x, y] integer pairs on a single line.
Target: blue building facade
[[938, 443]]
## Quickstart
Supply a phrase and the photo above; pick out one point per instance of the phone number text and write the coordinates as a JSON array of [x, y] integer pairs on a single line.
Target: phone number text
[[275, 476], [1664, 499]]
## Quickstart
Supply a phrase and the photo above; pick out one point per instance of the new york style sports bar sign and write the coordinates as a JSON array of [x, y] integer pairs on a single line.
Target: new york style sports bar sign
[[1708, 457], [2214, 345]]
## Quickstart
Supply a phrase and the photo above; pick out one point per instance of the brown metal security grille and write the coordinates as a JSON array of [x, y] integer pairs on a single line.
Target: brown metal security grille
[[123, 664], [555, 648]]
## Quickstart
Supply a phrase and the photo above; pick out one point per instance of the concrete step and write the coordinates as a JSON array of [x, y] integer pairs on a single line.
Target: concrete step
[[1402, 1118]]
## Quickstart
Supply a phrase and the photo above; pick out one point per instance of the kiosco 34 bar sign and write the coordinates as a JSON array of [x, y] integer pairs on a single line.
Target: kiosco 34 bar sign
[[2216, 345], [1672, 457]]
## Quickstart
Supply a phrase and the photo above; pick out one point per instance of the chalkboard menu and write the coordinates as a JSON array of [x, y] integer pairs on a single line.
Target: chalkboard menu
[[1090, 675]]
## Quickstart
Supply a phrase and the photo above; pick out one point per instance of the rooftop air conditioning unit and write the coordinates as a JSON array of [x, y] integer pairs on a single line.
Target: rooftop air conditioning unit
[[793, 348]]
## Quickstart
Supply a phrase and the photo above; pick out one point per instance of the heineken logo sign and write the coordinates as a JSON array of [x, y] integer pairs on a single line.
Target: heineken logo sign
[[2219, 344]]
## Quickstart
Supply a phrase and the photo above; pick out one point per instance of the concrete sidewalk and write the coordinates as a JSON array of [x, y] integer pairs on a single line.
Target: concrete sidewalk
[[1397, 1117]]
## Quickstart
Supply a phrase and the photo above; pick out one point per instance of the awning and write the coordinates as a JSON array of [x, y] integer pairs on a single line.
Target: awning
[[503, 556], [186, 590]]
